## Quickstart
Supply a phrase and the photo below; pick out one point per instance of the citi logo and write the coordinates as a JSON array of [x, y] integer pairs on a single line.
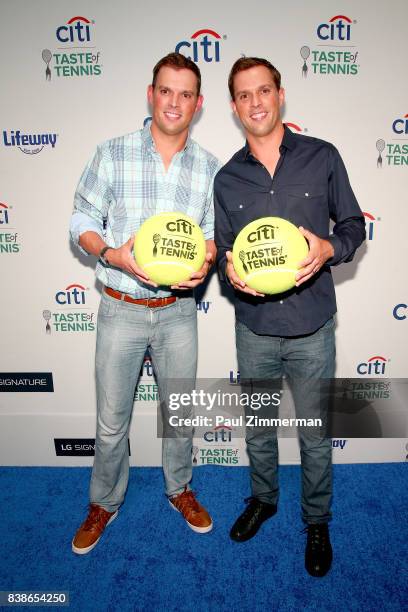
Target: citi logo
[[338, 28], [77, 29], [263, 232], [399, 312], [204, 45], [4, 214], [222, 433], [73, 294], [374, 366], [293, 126], [147, 367], [400, 126], [234, 377], [28, 143], [369, 219], [180, 225]]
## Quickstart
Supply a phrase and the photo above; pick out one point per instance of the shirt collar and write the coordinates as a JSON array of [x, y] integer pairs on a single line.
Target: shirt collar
[[148, 141], [288, 141]]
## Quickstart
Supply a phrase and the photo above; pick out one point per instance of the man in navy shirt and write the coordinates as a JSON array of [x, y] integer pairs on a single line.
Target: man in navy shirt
[[303, 180]]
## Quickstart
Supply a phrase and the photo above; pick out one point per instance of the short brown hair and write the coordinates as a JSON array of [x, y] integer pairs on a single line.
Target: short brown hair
[[178, 61], [244, 63]]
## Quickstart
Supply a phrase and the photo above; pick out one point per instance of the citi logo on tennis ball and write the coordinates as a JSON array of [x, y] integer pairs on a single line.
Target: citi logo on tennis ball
[[169, 247], [267, 253], [181, 225]]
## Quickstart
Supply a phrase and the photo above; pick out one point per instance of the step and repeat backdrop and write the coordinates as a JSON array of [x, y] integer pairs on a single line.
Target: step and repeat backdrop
[[75, 74]]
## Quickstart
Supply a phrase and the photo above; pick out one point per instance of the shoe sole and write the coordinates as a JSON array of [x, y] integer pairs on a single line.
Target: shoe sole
[[193, 527], [84, 551]]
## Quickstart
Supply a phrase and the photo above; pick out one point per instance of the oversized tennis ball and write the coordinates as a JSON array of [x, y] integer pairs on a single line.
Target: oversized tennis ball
[[266, 254], [169, 247]]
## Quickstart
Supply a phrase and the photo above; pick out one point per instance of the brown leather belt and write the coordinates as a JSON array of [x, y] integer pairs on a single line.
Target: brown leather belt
[[149, 302]]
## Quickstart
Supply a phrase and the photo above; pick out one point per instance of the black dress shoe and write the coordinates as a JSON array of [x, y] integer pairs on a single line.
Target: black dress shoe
[[247, 525], [318, 554]]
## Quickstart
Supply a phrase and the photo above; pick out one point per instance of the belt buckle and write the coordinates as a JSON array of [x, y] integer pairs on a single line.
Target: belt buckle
[[148, 300]]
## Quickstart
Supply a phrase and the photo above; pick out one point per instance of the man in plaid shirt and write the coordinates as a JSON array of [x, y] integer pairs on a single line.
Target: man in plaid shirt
[[129, 179]]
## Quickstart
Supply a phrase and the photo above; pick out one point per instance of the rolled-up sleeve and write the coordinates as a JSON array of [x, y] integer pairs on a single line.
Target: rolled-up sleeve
[[207, 223], [349, 229], [92, 199]]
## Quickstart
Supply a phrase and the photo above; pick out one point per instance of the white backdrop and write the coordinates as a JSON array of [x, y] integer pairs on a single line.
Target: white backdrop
[[74, 74]]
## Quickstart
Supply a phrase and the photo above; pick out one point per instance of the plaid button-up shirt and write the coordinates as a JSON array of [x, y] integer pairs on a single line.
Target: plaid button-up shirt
[[125, 183]]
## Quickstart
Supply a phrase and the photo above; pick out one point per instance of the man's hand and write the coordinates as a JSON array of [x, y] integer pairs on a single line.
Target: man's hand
[[197, 277], [234, 279], [320, 250], [123, 258]]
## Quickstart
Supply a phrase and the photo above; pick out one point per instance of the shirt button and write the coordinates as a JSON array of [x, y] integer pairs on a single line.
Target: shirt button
[[281, 302], [240, 206], [272, 192], [306, 194]]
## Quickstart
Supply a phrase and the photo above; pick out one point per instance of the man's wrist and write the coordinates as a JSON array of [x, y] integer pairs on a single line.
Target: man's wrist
[[104, 255]]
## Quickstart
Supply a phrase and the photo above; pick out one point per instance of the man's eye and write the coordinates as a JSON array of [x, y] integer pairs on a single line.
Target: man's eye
[[266, 90], [243, 97], [187, 95], [164, 91]]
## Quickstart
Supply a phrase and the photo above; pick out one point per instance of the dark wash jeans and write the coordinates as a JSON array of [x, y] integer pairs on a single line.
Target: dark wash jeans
[[305, 361]]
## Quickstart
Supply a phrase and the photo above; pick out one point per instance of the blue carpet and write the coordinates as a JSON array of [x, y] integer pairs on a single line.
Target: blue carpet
[[149, 560]]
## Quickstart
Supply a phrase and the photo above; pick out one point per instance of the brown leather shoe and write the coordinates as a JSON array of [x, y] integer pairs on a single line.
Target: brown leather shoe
[[89, 533], [195, 515]]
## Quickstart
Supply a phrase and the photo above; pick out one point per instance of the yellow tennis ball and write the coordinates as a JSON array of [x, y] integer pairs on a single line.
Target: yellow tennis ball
[[267, 253], [169, 247]]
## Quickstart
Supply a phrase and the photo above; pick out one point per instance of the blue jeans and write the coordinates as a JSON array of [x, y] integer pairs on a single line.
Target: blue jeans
[[124, 333], [305, 361]]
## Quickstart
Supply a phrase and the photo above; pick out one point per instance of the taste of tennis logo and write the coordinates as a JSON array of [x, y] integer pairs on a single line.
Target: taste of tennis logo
[[70, 312], [8, 236], [394, 153], [213, 450], [75, 55], [204, 45], [335, 52]]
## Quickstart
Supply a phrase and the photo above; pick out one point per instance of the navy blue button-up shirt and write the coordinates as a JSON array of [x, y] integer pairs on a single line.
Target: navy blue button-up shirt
[[310, 186]]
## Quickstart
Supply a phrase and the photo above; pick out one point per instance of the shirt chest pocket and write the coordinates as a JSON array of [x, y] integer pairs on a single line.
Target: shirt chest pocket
[[306, 202], [243, 211]]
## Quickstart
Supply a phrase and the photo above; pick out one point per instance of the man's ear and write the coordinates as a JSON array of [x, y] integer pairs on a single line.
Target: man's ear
[[199, 104], [150, 94]]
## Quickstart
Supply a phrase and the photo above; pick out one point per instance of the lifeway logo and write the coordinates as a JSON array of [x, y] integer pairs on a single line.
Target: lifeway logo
[[72, 314], [77, 56], [375, 366], [203, 306], [30, 144], [8, 240], [338, 57], [395, 153], [204, 45], [370, 221]]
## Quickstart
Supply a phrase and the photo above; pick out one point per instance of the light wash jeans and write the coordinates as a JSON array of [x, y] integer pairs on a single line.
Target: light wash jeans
[[305, 361], [124, 333]]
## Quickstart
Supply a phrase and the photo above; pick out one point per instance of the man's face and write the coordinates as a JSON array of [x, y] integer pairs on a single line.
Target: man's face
[[257, 101], [174, 100]]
